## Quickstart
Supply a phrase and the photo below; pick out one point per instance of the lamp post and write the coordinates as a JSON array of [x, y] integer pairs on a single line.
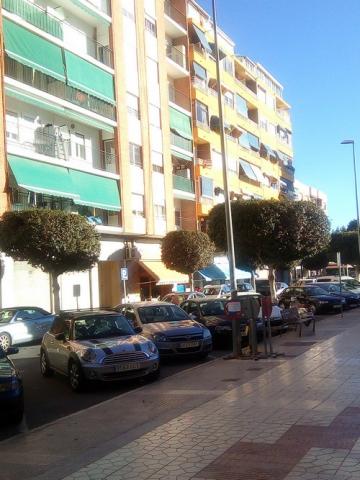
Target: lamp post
[[351, 142]]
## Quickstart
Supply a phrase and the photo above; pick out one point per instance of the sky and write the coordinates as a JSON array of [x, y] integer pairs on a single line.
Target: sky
[[312, 48]]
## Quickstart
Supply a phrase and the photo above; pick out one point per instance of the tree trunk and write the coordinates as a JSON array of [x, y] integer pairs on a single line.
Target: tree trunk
[[357, 271], [272, 284], [253, 283], [56, 292], [191, 281]]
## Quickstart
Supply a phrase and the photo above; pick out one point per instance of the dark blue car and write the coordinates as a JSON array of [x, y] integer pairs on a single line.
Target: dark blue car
[[11, 388], [319, 300]]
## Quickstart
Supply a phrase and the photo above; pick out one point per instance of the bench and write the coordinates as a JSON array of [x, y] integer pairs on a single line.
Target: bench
[[297, 317]]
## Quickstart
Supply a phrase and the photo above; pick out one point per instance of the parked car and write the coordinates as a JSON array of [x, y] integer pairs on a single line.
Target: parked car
[[217, 290], [97, 345], [244, 287], [11, 388], [352, 299], [302, 282], [172, 330], [314, 296], [263, 287], [177, 298], [23, 324], [211, 312]]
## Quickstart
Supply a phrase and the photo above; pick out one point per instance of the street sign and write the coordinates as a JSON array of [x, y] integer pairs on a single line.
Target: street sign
[[124, 274], [338, 258], [76, 291], [233, 307]]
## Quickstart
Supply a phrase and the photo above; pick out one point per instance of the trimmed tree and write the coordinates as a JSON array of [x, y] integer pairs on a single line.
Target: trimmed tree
[[347, 244], [316, 262], [186, 252], [52, 240], [271, 233]]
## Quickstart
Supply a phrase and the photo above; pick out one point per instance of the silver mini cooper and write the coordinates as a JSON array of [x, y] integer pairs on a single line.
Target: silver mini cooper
[[99, 345]]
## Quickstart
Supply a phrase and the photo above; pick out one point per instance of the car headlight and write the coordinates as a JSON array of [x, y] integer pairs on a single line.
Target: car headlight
[[160, 337], [151, 347], [14, 384], [343, 300], [88, 356], [206, 333]]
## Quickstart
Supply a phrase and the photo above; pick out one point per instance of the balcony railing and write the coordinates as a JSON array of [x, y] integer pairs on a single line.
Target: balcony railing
[[183, 184], [180, 142], [179, 98], [174, 13], [49, 141], [48, 84], [176, 55], [40, 18]]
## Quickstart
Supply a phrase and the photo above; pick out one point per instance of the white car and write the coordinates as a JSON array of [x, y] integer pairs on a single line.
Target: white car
[[217, 290]]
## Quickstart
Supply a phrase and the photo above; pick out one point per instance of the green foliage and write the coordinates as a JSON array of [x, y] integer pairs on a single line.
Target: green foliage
[[347, 244], [185, 251], [352, 226], [271, 232], [317, 261], [52, 240]]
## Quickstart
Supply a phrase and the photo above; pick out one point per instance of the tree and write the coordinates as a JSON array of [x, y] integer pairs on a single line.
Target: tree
[[316, 262], [352, 226], [186, 251], [52, 240], [347, 244], [271, 233]]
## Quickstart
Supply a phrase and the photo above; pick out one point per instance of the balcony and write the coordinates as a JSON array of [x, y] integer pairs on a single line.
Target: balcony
[[40, 18], [179, 98], [175, 21], [50, 142], [180, 142], [47, 84], [177, 67], [102, 5], [183, 184]]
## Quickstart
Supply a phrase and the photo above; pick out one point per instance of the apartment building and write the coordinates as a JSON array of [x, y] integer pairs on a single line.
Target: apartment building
[[310, 194]]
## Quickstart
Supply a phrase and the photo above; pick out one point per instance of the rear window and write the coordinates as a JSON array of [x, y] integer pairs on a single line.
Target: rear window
[[212, 308]]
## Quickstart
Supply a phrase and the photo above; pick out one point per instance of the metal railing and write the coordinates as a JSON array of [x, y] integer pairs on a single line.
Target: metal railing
[[176, 55], [199, 83], [179, 98], [181, 142], [174, 13], [42, 19], [182, 183], [48, 84]]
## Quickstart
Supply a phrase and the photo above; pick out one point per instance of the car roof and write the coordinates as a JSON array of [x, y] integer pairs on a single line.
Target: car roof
[[145, 304], [85, 313]]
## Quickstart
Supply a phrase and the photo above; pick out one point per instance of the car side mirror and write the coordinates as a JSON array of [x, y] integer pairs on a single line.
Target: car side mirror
[[60, 337], [138, 329], [194, 316], [12, 351]]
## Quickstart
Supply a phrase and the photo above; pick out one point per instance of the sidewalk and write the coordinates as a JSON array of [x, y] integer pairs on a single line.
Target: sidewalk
[[292, 418]]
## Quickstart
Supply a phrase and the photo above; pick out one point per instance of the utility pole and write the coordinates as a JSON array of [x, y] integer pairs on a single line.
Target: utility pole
[[229, 228]]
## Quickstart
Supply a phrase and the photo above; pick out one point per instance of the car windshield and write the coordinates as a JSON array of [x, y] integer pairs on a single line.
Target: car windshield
[[352, 283], [101, 326], [6, 315], [161, 313], [212, 308], [315, 291]]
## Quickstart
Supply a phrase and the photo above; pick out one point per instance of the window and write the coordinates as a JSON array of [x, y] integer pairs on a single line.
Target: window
[[228, 65], [135, 155], [207, 187], [270, 102], [261, 93], [154, 116], [79, 141], [152, 71], [271, 128], [12, 125], [158, 168], [132, 102], [232, 164], [157, 159], [178, 218], [159, 212], [263, 123], [241, 106], [150, 26], [202, 113], [229, 99], [137, 204]]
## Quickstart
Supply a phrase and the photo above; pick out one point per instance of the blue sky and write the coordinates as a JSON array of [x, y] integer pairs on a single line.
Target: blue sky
[[312, 48]]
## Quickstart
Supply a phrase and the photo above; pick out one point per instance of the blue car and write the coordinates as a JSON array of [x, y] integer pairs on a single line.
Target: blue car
[[11, 388]]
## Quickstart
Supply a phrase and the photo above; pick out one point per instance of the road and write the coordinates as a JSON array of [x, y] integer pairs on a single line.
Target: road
[[47, 399]]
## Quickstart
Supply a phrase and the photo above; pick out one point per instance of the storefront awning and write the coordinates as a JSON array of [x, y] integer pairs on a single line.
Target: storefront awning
[[96, 191], [89, 78], [180, 123], [40, 177], [32, 50], [161, 274], [202, 39], [212, 273]]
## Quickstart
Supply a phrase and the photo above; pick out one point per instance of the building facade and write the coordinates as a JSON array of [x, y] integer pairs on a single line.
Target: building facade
[[310, 194], [109, 110]]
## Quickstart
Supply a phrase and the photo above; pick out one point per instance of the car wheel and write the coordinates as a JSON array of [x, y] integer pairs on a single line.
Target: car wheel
[[154, 375], [76, 377], [5, 341], [202, 355], [313, 309], [45, 369], [17, 416]]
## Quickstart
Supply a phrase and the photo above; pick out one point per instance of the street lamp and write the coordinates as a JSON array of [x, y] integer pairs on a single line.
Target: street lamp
[[351, 142]]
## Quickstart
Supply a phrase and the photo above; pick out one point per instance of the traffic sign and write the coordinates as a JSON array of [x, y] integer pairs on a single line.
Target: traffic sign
[[124, 274], [233, 307]]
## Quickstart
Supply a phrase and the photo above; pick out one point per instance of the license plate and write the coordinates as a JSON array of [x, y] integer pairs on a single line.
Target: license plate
[[189, 344], [123, 367]]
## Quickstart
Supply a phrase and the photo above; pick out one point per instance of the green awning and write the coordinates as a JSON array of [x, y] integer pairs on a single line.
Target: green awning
[[34, 51], [30, 99], [89, 78], [202, 39], [181, 155], [40, 177], [95, 191], [180, 123], [86, 6]]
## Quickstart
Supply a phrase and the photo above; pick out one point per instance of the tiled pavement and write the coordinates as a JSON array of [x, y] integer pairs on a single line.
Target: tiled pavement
[[297, 421]]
